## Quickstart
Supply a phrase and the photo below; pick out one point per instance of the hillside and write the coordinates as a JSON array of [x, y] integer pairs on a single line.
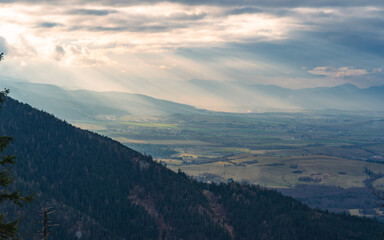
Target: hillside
[[104, 190]]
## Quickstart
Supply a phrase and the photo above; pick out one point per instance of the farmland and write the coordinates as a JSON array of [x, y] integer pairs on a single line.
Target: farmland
[[287, 151]]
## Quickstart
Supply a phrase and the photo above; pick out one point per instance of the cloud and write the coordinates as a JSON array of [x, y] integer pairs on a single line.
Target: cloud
[[182, 16], [244, 10], [49, 25], [256, 41], [152, 28], [341, 72], [164, 67], [3, 45], [119, 29], [59, 53], [94, 12], [260, 3], [80, 57]]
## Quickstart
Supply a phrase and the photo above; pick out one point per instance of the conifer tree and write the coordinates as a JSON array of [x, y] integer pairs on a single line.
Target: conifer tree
[[8, 228]]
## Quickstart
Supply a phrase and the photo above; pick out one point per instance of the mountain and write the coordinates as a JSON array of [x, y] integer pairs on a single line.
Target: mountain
[[75, 105], [101, 189], [88, 105], [261, 98]]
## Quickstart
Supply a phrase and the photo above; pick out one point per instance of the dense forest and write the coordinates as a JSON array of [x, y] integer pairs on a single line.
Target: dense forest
[[101, 189]]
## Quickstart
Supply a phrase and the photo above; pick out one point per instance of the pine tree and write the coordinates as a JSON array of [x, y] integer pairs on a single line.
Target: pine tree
[[8, 229]]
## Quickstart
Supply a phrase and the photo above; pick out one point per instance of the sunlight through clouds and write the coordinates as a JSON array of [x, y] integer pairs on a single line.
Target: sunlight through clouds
[[148, 46], [149, 28]]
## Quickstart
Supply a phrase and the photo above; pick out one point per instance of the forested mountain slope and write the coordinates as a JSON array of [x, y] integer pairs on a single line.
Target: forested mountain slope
[[101, 189]]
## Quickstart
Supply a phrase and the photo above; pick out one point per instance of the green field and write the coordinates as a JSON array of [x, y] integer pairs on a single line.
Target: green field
[[285, 171]]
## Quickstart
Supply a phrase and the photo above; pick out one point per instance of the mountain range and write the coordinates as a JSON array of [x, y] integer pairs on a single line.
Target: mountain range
[[242, 97], [219, 96], [101, 189], [88, 105]]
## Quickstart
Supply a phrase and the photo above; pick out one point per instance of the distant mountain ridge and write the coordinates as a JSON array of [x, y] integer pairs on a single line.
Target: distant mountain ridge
[[88, 105], [234, 96], [264, 98], [101, 189]]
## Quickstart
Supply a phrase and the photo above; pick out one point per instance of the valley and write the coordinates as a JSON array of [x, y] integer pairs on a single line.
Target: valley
[[301, 153], [292, 152]]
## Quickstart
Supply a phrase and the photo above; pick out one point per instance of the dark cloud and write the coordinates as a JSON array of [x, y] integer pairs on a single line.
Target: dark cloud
[[367, 42], [49, 24], [94, 12], [359, 32], [311, 50], [244, 10]]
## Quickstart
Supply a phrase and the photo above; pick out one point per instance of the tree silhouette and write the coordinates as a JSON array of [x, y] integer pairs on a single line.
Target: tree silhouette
[[8, 229]]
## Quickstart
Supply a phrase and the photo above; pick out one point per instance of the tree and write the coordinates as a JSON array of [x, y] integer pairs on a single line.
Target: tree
[[8, 229]]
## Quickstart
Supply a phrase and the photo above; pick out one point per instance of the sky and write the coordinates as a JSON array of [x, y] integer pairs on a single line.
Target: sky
[[156, 48]]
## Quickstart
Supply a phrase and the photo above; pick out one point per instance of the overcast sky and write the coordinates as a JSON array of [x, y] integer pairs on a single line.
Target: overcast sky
[[150, 46]]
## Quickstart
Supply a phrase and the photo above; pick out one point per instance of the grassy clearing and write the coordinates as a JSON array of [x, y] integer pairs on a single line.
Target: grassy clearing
[[172, 161]]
